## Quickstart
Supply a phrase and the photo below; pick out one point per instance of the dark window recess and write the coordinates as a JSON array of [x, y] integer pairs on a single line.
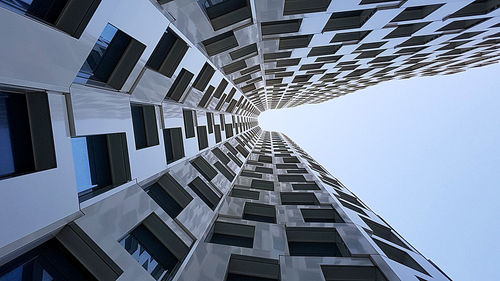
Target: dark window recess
[[169, 195], [262, 184], [50, 261], [231, 148], [70, 16], [157, 248], [202, 137], [476, 8], [264, 170], [242, 150], [227, 12], [180, 85], [229, 130], [210, 122], [190, 122], [305, 186], [293, 7], [204, 168], [265, 159], [206, 97], [26, 142], [291, 178], [174, 145], [222, 122], [400, 256], [111, 60], [297, 171], [226, 171], [218, 137], [321, 215], [280, 27], [101, 162], [351, 273], [249, 268], [286, 166], [315, 242], [415, 13], [250, 174], [291, 160], [348, 20], [220, 43], [144, 123], [384, 232], [406, 30], [167, 54], [205, 193], [221, 155], [298, 198], [293, 42], [353, 207], [244, 52], [235, 159], [259, 212], [330, 181], [247, 194], [204, 77], [232, 234], [220, 89]]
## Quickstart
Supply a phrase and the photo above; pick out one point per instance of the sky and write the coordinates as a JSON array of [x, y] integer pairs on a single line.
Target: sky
[[423, 153]]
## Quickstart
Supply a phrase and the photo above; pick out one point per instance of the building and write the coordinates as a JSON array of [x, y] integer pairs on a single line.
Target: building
[[130, 147]]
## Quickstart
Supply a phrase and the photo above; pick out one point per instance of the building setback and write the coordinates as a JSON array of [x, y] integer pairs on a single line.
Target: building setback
[[130, 147]]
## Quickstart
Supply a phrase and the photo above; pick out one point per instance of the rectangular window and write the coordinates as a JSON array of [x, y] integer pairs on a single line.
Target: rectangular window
[[291, 178], [221, 155], [155, 247], [26, 140], [232, 234], [315, 242], [321, 215], [174, 145], [351, 273], [180, 85], [145, 127], [305, 186], [101, 163], [70, 16], [229, 130], [250, 268], [222, 121], [167, 54], [203, 77], [190, 122], [210, 122], [262, 184], [111, 60], [298, 198], [202, 137], [204, 168], [217, 134], [226, 171], [169, 195], [259, 212], [205, 193], [247, 194]]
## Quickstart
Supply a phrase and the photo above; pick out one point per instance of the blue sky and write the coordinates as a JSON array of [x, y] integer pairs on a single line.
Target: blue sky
[[424, 153]]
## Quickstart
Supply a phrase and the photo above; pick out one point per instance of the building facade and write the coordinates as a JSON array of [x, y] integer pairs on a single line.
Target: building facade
[[130, 147]]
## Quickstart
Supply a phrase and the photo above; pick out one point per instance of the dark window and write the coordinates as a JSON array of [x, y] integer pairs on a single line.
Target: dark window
[[291, 160], [315, 242], [286, 166], [217, 134], [221, 155], [249, 268], [189, 122], [144, 123], [321, 215], [111, 60], [169, 195], [400, 256], [226, 171], [50, 261], [26, 140], [167, 54], [203, 77], [383, 232], [242, 193], [265, 159], [298, 198], [223, 13], [264, 170], [174, 146], [229, 130], [180, 85], [351, 273], [101, 162], [202, 137], [291, 178], [233, 234], [235, 159], [293, 7], [210, 122], [262, 184], [250, 174], [259, 212], [204, 168], [305, 186], [205, 193], [70, 16], [157, 248]]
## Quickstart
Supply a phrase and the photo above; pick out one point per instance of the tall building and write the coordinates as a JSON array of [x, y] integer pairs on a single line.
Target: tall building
[[130, 146]]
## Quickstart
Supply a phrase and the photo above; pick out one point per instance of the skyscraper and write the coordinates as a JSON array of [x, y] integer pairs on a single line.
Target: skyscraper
[[130, 147]]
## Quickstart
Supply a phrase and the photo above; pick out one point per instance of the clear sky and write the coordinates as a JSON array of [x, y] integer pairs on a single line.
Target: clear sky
[[424, 153]]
